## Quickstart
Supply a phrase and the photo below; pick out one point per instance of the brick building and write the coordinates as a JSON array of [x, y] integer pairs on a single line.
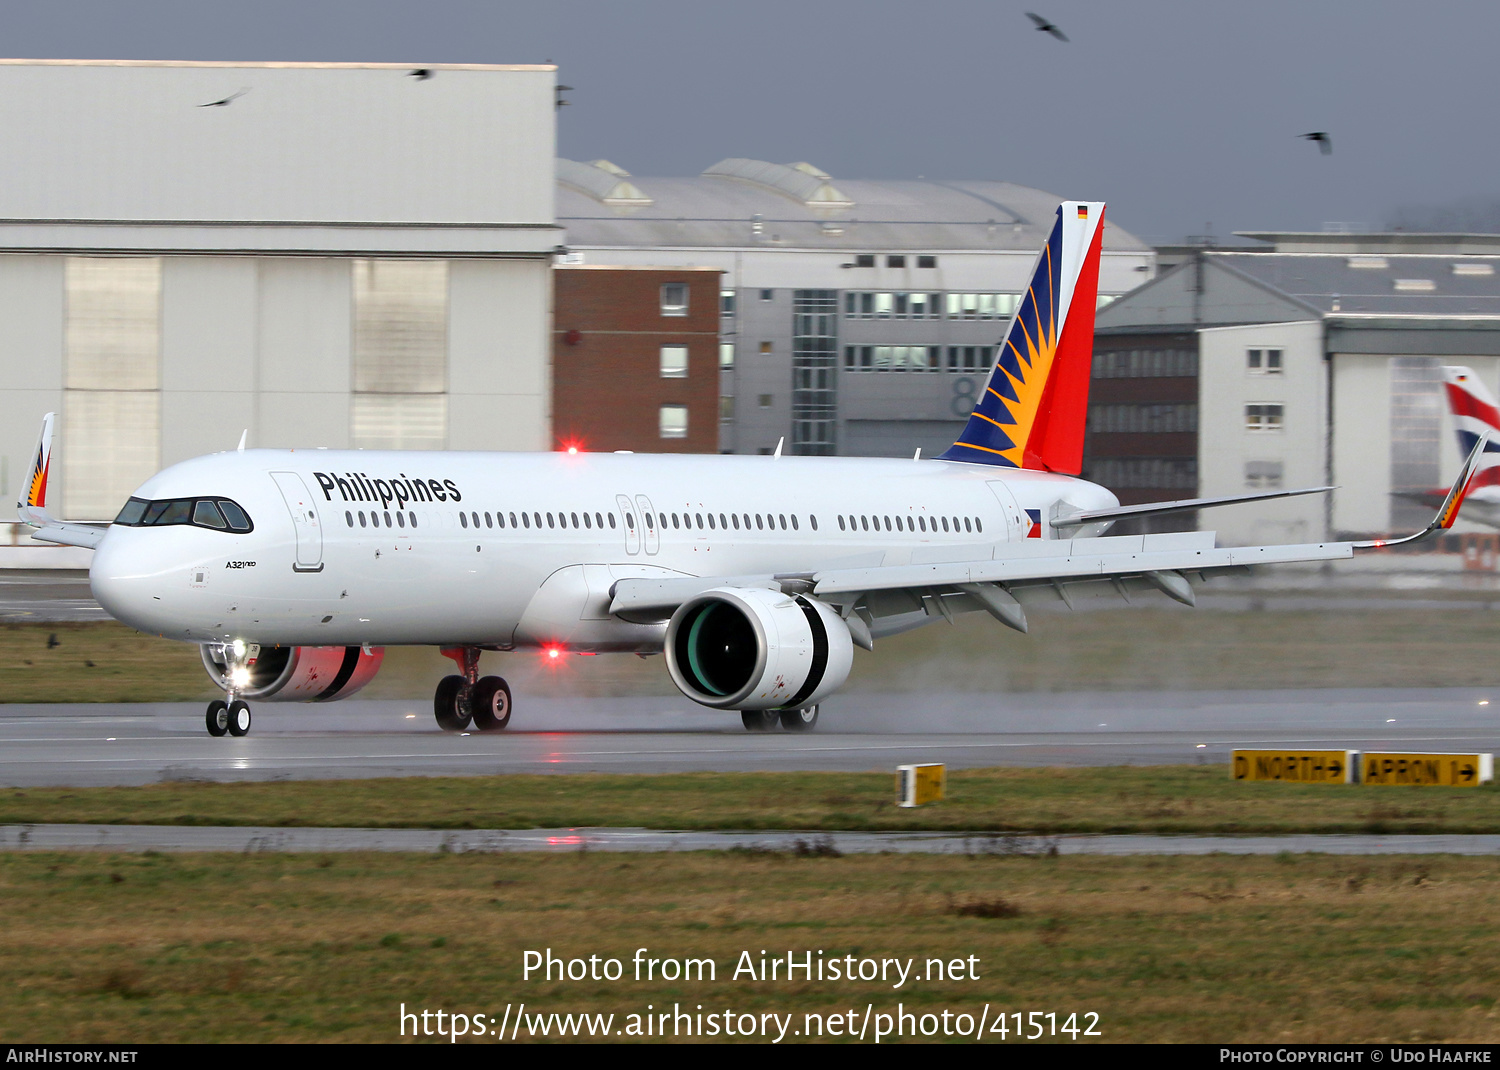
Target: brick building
[[636, 359]]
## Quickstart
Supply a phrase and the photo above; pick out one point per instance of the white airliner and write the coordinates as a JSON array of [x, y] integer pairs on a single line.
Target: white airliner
[[756, 576]]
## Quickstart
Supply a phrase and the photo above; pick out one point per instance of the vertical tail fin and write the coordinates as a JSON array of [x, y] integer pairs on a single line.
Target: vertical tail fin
[[32, 504], [1033, 409], [1474, 413]]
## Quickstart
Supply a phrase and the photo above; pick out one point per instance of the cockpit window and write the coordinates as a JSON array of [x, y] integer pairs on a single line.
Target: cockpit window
[[132, 513], [218, 514], [238, 521], [207, 515]]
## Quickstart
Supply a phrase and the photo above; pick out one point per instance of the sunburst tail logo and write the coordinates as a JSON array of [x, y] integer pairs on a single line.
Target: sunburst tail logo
[[1033, 409], [34, 490]]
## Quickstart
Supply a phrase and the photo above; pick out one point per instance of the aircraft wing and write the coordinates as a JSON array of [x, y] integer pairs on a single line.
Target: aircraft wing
[[887, 599], [67, 534], [880, 599]]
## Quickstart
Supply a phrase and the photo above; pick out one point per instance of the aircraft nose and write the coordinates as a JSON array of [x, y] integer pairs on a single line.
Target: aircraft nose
[[121, 587]]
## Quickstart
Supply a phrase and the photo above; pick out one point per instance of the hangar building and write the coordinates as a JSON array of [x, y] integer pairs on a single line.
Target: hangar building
[[341, 255]]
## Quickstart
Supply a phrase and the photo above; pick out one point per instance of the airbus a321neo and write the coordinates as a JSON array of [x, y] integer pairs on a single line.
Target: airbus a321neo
[[757, 576]]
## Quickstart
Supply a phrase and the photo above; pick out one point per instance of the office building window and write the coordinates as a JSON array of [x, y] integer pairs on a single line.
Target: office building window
[[1158, 473], [726, 303], [893, 358], [726, 354], [1143, 419], [765, 347], [865, 260], [1146, 364], [766, 295], [926, 261], [895, 261], [764, 401], [982, 306], [1263, 361], [971, 359], [673, 421], [400, 359], [1263, 475], [726, 407], [1263, 417], [674, 299], [674, 362], [111, 423], [814, 358], [895, 305]]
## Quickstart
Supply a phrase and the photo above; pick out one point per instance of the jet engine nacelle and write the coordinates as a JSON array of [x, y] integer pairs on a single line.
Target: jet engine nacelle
[[299, 673], [750, 648]]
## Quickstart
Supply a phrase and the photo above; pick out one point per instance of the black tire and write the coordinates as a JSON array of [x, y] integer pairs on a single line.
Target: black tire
[[217, 717], [491, 704], [759, 720], [803, 720], [239, 718], [447, 706]]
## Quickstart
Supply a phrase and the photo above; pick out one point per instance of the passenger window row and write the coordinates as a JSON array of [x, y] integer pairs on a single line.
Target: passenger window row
[[402, 519], [726, 521], [920, 523], [592, 521]]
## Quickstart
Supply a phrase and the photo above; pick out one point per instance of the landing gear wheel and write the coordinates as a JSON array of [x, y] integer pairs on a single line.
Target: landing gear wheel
[[448, 704], [803, 720], [491, 704], [758, 720], [239, 718], [217, 717]]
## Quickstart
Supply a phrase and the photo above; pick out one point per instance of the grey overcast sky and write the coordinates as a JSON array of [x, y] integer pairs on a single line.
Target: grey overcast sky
[[1180, 113]]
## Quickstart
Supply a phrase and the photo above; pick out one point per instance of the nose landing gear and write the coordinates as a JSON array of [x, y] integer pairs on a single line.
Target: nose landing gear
[[231, 714], [460, 700]]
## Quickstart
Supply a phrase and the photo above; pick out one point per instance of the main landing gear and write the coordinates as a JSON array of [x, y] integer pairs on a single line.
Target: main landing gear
[[460, 700], [803, 720]]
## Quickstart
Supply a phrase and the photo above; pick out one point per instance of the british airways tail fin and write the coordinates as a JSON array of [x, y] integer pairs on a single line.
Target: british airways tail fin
[[1474, 413], [1033, 410]]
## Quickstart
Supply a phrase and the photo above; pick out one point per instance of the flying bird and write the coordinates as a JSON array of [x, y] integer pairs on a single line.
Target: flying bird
[[421, 74], [1325, 143], [230, 99], [1045, 26]]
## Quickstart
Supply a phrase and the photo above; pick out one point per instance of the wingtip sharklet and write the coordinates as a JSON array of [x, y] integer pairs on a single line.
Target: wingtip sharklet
[[1448, 512]]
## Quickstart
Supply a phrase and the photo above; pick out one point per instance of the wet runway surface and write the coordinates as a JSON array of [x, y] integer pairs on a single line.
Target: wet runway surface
[[256, 840], [47, 595], [102, 744]]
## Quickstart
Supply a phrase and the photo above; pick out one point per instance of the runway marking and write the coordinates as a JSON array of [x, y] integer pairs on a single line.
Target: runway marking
[[619, 755]]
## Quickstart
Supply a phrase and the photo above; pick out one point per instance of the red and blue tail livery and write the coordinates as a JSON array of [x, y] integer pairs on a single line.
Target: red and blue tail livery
[[1474, 413], [1033, 410]]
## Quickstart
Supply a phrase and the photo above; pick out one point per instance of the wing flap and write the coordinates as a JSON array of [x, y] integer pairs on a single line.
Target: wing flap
[[1071, 566]]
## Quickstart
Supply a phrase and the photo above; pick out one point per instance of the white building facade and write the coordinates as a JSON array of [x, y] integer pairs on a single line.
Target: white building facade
[[321, 255]]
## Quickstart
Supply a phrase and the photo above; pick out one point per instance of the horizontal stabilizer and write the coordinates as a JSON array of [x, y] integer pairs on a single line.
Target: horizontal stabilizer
[[1094, 516]]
